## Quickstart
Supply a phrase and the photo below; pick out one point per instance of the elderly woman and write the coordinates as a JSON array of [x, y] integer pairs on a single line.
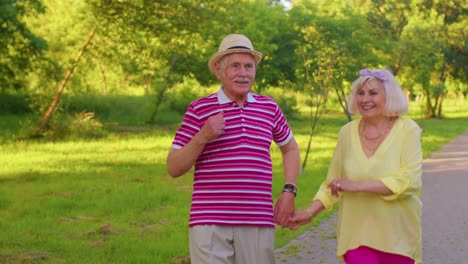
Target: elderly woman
[[375, 177]]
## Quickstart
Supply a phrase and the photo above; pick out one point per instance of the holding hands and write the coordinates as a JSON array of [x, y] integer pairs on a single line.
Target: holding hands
[[284, 209], [300, 218]]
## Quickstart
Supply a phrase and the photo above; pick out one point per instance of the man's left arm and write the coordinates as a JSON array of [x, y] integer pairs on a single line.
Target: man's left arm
[[284, 207]]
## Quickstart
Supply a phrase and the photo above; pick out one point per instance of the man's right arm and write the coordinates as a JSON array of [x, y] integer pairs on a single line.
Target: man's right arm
[[180, 161]]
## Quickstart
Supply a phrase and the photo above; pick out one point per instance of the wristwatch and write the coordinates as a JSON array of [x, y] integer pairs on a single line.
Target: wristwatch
[[290, 188]]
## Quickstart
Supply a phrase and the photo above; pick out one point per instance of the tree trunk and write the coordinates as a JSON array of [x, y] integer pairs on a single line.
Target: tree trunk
[[309, 145], [429, 107], [395, 68], [320, 98], [439, 107], [149, 80], [342, 101], [161, 93], [50, 110], [104, 80], [441, 93]]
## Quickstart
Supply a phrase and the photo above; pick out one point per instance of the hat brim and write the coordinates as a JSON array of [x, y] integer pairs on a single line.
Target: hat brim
[[217, 56]]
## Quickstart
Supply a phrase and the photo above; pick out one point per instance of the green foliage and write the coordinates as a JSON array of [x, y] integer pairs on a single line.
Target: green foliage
[[118, 110], [270, 32], [78, 126], [136, 43], [15, 127], [64, 26], [14, 104], [182, 94], [20, 47], [286, 100]]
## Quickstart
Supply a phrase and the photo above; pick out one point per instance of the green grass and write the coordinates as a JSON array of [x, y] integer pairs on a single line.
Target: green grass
[[57, 198], [112, 201]]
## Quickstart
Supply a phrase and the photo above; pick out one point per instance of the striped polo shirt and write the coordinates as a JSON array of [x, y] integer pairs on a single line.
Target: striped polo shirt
[[233, 175]]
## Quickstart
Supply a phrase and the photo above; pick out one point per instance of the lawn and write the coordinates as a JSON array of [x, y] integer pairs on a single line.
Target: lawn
[[112, 201]]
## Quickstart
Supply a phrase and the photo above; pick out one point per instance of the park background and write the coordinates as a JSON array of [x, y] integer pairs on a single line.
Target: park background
[[91, 93]]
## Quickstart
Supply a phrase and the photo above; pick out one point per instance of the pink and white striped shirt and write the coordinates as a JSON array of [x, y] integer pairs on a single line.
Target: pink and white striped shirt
[[233, 174]]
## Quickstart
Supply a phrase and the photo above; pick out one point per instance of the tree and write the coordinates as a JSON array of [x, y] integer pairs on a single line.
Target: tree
[[155, 40], [433, 39], [421, 41], [53, 105], [20, 47], [317, 86], [342, 44]]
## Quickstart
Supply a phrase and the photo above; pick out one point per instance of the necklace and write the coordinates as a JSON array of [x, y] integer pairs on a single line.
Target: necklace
[[372, 143]]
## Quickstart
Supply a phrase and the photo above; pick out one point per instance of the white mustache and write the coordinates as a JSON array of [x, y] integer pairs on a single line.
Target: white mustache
[[242, 79]]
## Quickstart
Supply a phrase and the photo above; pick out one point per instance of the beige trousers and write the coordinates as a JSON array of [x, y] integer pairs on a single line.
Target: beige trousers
[[214, 244]]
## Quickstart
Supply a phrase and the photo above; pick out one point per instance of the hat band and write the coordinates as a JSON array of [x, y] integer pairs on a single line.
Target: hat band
[[239, 47]]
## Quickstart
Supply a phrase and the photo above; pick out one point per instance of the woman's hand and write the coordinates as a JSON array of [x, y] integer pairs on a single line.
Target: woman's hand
[[343, 185], [299, 219]]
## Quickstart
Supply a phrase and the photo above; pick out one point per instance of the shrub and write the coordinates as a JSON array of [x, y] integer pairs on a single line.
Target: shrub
[[78, 126], [182, 94], [285, 99], [127, 110], [14, 104]]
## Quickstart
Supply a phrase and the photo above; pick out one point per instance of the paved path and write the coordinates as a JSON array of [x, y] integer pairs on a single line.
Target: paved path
[[445, 215]]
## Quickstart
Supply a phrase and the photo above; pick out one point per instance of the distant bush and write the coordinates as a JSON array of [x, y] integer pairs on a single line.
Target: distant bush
[[77, 126], [127, 110], [285, 99], [182, 94], [16, 104]]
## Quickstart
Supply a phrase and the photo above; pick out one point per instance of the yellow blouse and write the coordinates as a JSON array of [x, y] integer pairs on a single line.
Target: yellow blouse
[[387, 223]]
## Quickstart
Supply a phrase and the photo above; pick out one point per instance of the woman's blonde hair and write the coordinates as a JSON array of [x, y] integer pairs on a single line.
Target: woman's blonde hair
[[396, 104]]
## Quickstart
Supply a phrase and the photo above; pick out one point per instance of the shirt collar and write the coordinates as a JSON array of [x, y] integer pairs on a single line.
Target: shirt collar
[[223, 99]]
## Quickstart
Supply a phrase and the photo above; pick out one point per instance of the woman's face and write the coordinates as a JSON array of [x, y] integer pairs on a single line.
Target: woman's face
[[371, 99]]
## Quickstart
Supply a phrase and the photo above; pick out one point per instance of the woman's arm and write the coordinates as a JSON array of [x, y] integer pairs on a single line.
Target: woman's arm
[[347, 185], [301, 218]]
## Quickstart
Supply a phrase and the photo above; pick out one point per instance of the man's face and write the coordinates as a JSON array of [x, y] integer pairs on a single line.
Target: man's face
[[237, 74]]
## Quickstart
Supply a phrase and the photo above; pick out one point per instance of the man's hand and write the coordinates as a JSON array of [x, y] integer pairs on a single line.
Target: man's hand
[[284, 209], [299, 219], [213, 127]]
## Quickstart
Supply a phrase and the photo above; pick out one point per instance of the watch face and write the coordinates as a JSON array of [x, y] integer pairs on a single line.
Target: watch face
[[290, 188]]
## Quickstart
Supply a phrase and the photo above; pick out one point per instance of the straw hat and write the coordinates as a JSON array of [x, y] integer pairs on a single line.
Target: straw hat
[[234, 43]]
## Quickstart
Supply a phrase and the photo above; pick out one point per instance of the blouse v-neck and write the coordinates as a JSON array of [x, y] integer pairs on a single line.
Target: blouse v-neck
[[383, 145]]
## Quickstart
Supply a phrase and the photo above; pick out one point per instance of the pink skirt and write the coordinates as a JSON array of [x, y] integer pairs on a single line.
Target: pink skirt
[[369, 255]]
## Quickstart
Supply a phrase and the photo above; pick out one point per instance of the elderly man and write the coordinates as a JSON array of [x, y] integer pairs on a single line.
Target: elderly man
[[227, 137]]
